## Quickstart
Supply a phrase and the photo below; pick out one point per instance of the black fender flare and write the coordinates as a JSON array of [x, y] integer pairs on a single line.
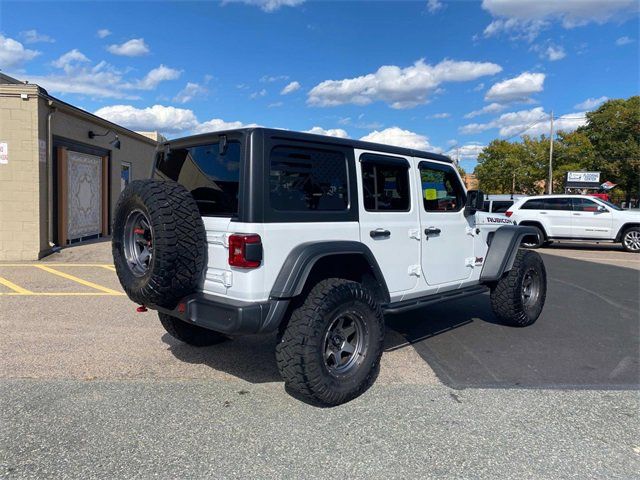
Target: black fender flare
[[502, 251], [298, 264]]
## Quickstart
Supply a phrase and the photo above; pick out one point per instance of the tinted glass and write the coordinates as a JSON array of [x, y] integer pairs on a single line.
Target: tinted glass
[[302, 179], [584, 205], [441, 189], [501, 206], [558, 204], [486, 206], [212, 178], [385, 186], [536, 204]]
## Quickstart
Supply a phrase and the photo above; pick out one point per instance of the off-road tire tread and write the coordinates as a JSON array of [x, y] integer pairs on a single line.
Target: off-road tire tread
[[179, 243], [190, 334], [506, 300], [295, 358]]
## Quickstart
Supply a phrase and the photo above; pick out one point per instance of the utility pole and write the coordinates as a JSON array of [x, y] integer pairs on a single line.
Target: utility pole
[[550, 188]]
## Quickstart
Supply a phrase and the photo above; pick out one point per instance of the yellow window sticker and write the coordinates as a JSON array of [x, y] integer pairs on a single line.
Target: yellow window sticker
[[430, 194]]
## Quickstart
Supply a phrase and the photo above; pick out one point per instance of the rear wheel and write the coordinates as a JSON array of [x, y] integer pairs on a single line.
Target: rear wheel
[[631, 240], [330, 349], [534, 241], [189, 333], [517, 298]]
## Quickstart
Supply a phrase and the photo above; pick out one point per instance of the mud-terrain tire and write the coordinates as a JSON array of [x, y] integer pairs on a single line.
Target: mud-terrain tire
[[538, 242], [631, 240], [188, 333], [162, 217], [517, 298], [312, 354]]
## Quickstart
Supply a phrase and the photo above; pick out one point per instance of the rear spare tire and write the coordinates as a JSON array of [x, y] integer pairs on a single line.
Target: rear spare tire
[[159, 242]]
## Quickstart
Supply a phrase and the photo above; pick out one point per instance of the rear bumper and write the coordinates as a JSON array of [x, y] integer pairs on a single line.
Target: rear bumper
[[233, 317]]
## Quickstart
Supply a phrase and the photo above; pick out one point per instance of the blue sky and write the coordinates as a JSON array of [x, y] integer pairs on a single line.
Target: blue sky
[[431, 74]]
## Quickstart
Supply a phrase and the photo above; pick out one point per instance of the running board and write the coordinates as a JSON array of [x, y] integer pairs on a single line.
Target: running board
[[404, 305]]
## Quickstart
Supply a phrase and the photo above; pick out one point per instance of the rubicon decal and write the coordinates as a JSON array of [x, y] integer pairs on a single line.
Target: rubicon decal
[[499, 220]]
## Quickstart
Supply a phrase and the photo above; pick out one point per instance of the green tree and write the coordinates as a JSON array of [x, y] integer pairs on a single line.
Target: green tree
[[614, 131], [572, 151]]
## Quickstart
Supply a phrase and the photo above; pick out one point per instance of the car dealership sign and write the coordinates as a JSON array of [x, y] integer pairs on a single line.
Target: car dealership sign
[[586, 177]]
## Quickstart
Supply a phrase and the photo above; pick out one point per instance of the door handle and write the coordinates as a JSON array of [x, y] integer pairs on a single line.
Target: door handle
[[432, 231], [380, 233], [543, 213]]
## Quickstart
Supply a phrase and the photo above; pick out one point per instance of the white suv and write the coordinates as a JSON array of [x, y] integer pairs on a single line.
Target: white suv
[[315, 238], [577, 217]]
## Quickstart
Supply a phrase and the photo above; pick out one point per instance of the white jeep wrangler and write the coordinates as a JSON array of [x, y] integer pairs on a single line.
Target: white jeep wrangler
[[258, 230]]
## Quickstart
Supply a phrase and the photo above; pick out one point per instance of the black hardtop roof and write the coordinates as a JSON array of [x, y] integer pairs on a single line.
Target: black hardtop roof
[[312, 137]]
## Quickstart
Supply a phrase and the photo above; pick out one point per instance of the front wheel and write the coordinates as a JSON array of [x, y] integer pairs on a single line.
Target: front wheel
[[535, 240], [518, 297], [631, 240], [330, 349]]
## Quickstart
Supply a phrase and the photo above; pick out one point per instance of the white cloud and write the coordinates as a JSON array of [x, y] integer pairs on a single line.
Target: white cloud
[[67, 60], [189, 92], [591, 103], [517, 88], [13, 53], [436, 116], [434, 6], [399, 87], [274, 78], [526, 18], [491, 108], [553, 53], [624, 41], [258, 94], [401, 138], [470, 151], [217, 124], [267, 5], [332, 132], [527, 122], [157, 117], [275, 105], [33, 36], [78, 76], [103, 33], [132, 48], [290, 88], [478, 87], [157, 75]]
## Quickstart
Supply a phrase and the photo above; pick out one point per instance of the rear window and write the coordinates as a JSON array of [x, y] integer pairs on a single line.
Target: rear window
[[501, 206], [212, 178], [536, 204], [307, 179]]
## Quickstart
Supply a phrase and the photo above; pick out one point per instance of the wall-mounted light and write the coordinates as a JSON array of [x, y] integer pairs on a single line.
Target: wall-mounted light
[[115, 143]]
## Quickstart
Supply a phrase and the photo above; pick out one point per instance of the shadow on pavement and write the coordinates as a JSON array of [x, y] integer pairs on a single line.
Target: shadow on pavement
[[586, 337]]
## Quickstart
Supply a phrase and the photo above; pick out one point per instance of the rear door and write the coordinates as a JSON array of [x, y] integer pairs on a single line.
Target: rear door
[[389, 223], [447, 248], [213, 178], [589, 221], [558, 216]]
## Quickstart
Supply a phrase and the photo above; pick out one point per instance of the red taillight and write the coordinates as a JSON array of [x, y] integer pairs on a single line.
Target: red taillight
[[508, 213], [245, 250]]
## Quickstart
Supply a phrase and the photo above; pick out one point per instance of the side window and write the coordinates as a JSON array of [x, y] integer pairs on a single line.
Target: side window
[[558, 204], [441, 188], [385, 184], [536, 204], [584, 205], [305, 179], [501, 206]]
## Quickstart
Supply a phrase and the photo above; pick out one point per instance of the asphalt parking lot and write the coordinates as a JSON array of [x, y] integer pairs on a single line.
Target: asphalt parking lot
[[91, 389]]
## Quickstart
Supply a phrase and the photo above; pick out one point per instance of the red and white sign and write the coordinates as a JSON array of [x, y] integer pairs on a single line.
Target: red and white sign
[[4, 153]]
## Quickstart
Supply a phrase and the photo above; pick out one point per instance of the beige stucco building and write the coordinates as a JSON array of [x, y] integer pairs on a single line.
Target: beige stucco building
[[59, 186]]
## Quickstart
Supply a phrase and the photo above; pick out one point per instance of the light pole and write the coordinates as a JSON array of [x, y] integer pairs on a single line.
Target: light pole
[[550, 188]]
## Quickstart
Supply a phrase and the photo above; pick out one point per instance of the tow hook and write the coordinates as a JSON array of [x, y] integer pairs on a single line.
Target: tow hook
[[141, 309]]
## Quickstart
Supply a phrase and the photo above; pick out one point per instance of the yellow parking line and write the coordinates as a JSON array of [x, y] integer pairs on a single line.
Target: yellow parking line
[[78, 280], [16, 288], [109, 267], [64, 294], [55, 265]]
